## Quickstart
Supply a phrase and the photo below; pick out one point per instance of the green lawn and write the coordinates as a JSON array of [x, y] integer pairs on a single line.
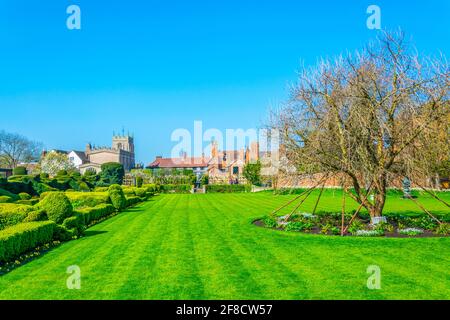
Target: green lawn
[[205, 247]]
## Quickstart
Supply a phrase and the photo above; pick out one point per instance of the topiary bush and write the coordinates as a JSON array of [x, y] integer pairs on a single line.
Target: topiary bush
[[23, 237], [5, 199], [228, 188], [131, 201], [57, 206], [90, 215], [20, 171], [12, 214], [117, 197], [24, 196], [38, 215]]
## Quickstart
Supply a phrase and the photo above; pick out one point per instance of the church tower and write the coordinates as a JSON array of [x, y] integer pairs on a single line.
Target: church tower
[[125, 143]]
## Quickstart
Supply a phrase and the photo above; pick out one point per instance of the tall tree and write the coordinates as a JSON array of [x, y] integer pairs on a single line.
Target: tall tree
[[369, 117], [15, 148], [54, 162]]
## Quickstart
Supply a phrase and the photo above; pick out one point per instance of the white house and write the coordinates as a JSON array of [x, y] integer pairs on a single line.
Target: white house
[[77, 158]]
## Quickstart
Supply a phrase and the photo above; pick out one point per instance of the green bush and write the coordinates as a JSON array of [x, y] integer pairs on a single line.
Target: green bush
[[11, 195], [57, 206], [12, 214], [112, 173], [87, 199], [175, 188], [5, 199], [228, 188], [90, 215], [30, 202], [270, 222], [40, 188], [139, 182], [24, 237], [141, 192], [24, 196], [117, 197], [38, 215], [63, 234], [101, 189], [131, 201], [74, 224], [20, 171]]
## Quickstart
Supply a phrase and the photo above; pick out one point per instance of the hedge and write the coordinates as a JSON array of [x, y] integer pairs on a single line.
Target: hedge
[[89, 215], [24, 237], [12, 214], [57, 206], [5, 199], [131, 201], [117, 197], [87, 199], [11, 195], [20, 171], [175, 188], [228, 188]]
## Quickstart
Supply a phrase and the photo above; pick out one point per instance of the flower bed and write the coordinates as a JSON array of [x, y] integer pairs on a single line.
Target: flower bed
[[331, 224]]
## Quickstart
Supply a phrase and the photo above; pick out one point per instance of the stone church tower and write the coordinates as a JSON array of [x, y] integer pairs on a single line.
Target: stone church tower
[[123, 142]]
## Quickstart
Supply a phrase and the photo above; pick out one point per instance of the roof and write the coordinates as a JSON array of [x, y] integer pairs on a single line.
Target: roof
[[178, 163], [81, 155]]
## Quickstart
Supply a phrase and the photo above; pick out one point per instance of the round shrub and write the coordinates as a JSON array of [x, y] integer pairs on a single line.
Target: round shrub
[[117, 197], [57, 206], [62, 173], [5, 199], [38, 215], [20, 171], [24, 196], [139, 182]]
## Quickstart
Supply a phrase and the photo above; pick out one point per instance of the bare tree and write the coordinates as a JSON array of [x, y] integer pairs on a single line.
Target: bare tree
[[369, 117], [15, 149]]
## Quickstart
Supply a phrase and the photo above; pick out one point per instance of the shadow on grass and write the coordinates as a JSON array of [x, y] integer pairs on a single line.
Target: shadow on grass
[[92, 233]]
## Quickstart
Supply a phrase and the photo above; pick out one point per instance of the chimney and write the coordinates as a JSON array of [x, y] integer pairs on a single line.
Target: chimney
[[254, 151]]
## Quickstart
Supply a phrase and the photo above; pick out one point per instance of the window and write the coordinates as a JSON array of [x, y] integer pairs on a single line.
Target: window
[[235, 170]]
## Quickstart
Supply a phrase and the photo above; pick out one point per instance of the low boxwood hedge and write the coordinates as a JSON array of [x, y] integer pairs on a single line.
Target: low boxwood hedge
[[90, 215], [12, 214], [228, 188], [24, 237], [131, 201], [175, 188]]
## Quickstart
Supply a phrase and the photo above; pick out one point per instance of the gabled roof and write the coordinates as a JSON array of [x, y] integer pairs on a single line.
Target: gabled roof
[[81, 155], [178, 163]]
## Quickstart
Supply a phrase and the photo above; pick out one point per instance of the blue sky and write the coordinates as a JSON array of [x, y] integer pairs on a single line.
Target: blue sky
[[155, 66]]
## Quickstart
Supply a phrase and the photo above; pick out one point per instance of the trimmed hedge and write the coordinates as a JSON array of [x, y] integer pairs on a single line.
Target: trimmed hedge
[[89, 215], [57, 206], [228, 188], [20, 171], [24, 196], [12, 214], [117, 197], [5, 199], [30, 202], [87, 199], [175, 188], [38, 215], [11, 195], [131, 201], [24, 237]]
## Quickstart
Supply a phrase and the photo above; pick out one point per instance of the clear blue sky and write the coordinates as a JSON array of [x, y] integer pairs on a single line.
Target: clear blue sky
[[154, 66]]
